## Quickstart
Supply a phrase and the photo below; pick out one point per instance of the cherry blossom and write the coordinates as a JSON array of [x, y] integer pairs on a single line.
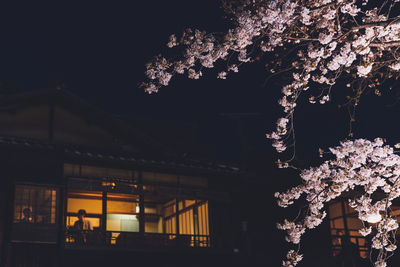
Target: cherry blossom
[[329, 40], [361, 167], [325, 41]]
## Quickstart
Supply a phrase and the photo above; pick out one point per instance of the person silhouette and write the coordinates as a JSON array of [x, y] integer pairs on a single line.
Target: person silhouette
[[82, 223], [27, 216], [81, 227]]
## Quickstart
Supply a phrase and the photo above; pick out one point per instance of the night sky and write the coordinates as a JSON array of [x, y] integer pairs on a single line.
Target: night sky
[[98, 49]]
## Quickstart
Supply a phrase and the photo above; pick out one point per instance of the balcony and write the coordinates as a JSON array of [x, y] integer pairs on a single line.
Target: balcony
[[133, 240]]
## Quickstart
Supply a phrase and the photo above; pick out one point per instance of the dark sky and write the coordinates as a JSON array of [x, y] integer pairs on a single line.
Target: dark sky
[[99, 49]]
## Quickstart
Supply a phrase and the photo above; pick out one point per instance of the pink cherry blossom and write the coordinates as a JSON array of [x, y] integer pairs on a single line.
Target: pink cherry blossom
[[360, 166]]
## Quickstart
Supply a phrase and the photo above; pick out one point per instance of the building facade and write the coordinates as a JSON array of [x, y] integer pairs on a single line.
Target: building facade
[[62, 158], [346, 241]]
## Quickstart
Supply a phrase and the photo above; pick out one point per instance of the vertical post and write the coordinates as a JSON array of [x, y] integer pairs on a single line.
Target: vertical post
[[61, 198], [141, 205], [104, 216], [177, 211], [211, 229], [177, 220], [346, 228], [196, 224]]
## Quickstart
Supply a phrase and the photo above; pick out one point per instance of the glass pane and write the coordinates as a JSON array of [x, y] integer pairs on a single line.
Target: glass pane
[[159, 215], [91, 206], [348, 209], [153, 224], [88, 201], [122, 207], [335, 210], [169, 208], [122, 223], [354, 233], [122, 203], [181, 205], [338, 223], [189, 203], [354, 223], [122, 212], [34, 204], [186, 222], [156, 210], [186, 204], [203, 219], [170, 225], [35, 212]]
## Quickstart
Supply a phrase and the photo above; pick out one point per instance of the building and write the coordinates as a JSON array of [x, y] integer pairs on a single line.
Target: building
[[145, 204], [344, 225]]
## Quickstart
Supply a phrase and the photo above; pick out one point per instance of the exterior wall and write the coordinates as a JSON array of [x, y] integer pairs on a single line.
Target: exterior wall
[[70, 129], [32, 122], [47, 168], [29, 167], [44, 165]]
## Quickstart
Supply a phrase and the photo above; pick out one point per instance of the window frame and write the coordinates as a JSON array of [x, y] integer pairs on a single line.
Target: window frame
[[36, 227]]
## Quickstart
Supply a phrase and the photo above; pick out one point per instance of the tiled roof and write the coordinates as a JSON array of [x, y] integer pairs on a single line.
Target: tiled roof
[[90, 153]]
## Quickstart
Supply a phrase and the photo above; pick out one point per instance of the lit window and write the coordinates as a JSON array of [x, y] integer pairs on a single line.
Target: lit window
[[34, 204], [153, 220], [344, 224], [90, 202], [35, 214], [161, 217], [122, 213]]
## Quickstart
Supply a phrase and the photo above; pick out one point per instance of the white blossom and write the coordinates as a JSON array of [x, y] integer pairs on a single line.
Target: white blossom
[[395, 66], [363, 71], [329, 40], [222, 75], [360, 163], [365, 231], [172, 41], [380, 263]]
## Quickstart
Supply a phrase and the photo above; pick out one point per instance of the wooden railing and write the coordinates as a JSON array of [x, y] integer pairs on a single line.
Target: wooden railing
[[97, 238]]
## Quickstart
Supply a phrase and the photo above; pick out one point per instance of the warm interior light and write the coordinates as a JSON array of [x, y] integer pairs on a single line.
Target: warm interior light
[[374, 218]]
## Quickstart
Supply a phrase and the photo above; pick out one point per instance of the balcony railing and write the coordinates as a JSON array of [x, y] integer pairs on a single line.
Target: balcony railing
[[97, 238]]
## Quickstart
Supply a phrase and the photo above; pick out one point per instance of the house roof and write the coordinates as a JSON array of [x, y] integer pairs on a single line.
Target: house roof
[[150, 152], [124, 131], [82, 153]]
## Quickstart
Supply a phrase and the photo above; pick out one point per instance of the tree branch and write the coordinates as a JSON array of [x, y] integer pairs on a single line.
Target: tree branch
[[385, 45]]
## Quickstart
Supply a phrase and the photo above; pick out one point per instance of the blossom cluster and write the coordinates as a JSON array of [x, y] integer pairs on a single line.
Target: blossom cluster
[[329, 39], [293, 258], [362, 167]]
